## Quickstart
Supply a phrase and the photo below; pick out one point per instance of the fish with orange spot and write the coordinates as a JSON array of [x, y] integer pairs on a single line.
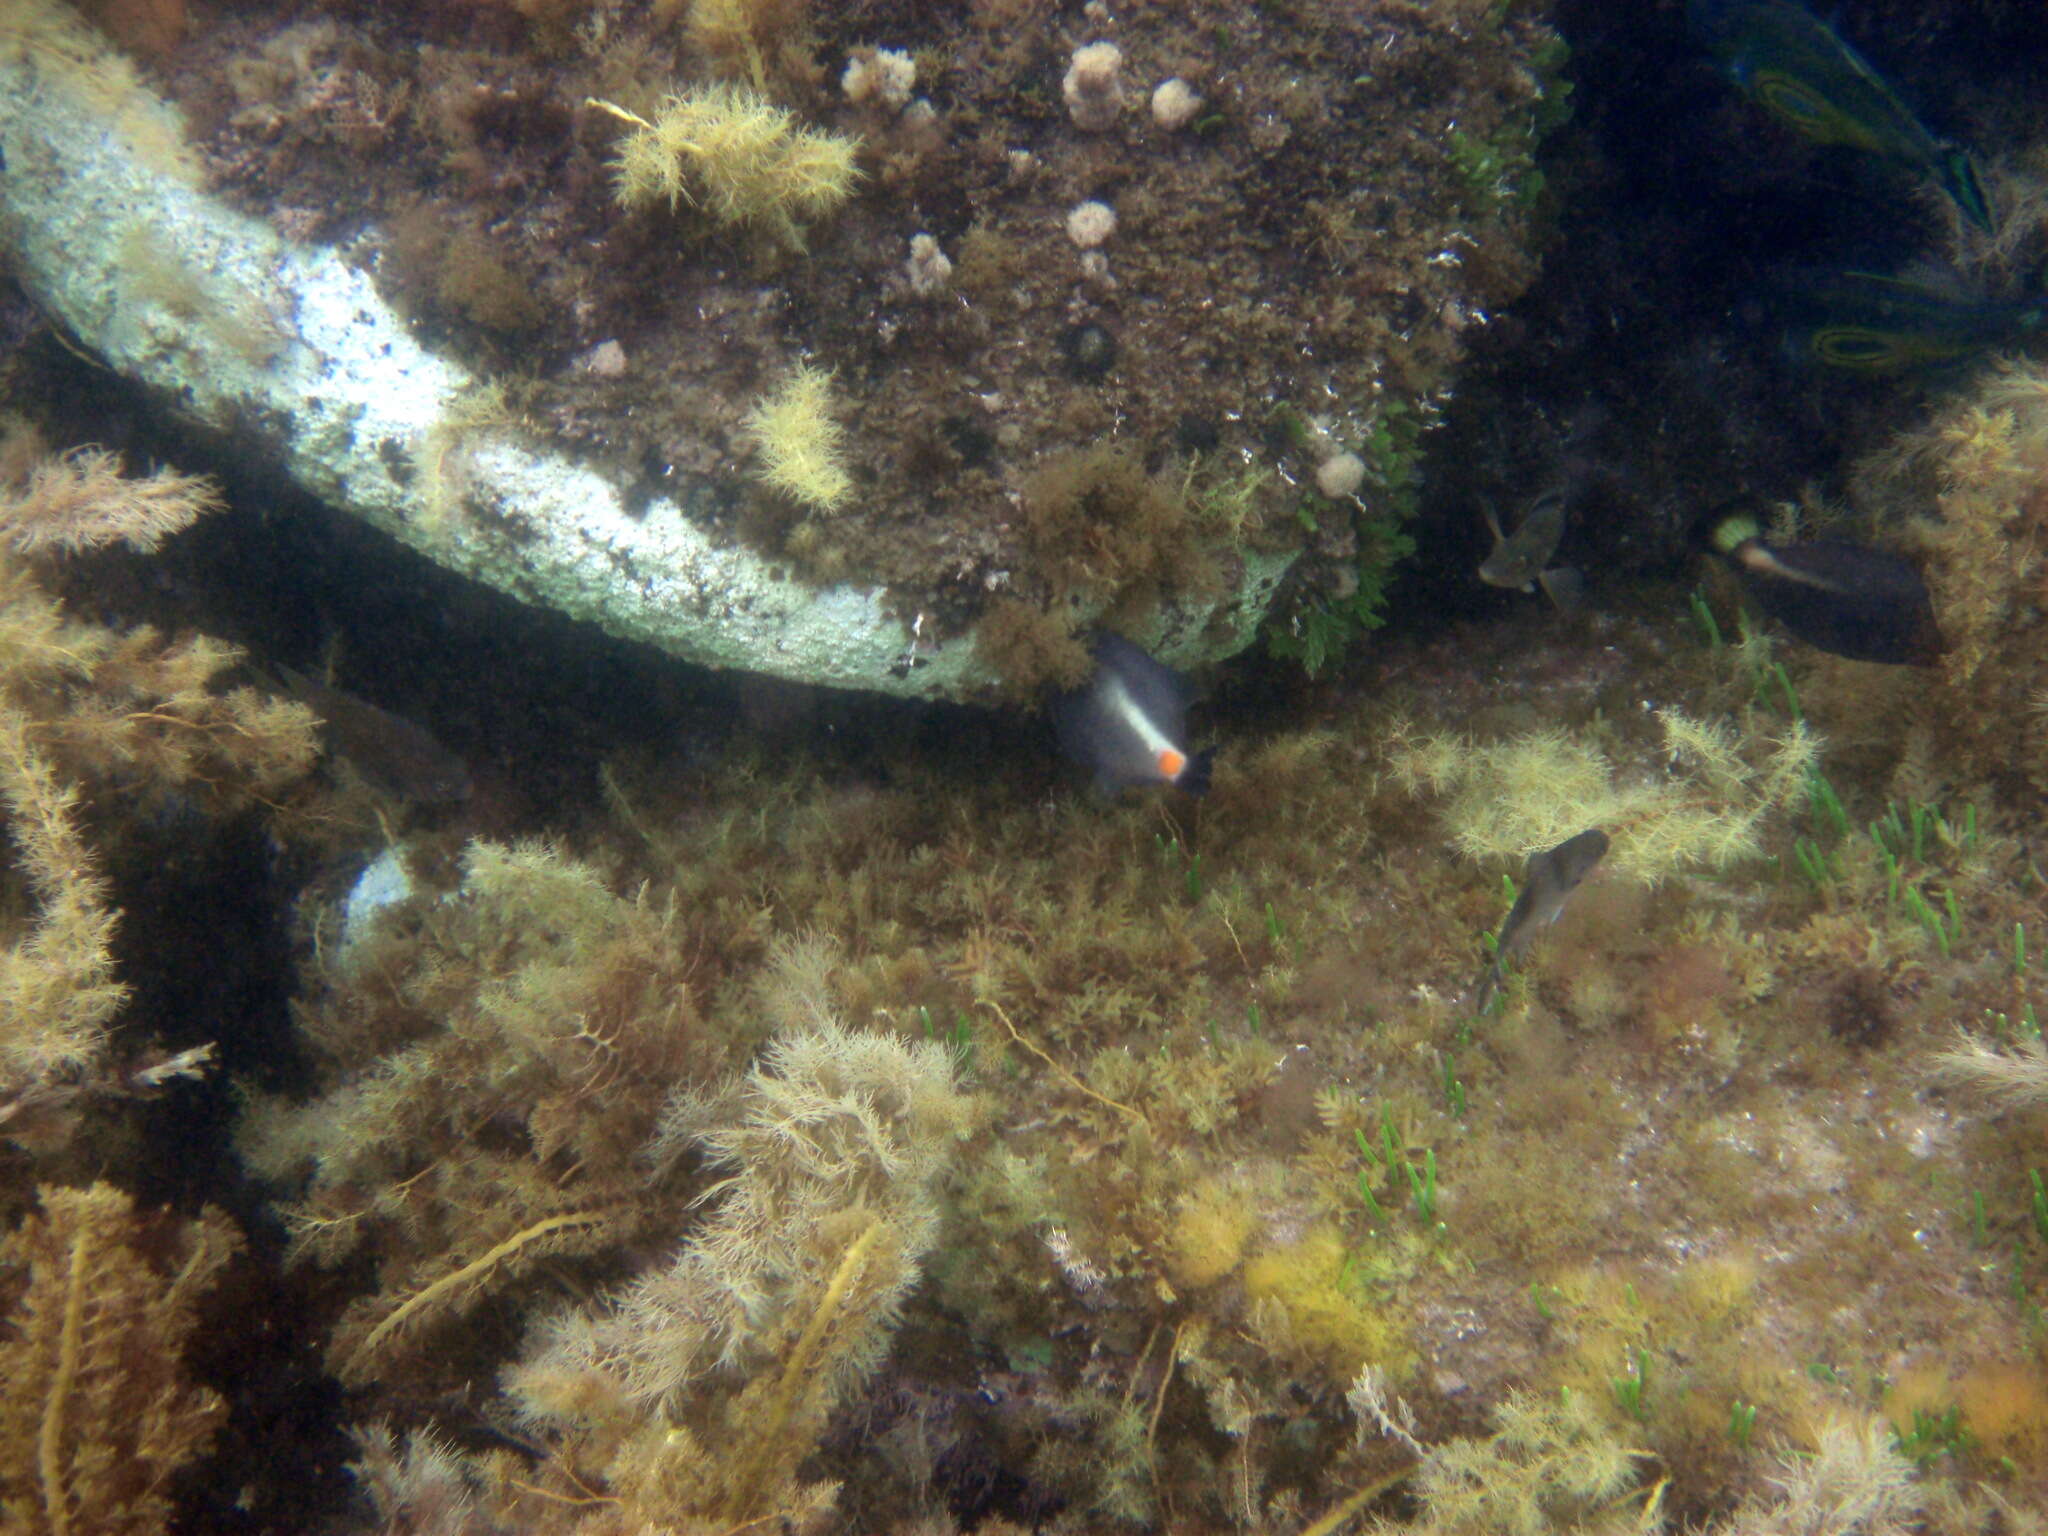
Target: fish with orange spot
[[1128, 723]]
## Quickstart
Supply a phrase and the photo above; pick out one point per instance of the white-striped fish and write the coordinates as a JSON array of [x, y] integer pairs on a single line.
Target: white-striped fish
[[1128, 723]]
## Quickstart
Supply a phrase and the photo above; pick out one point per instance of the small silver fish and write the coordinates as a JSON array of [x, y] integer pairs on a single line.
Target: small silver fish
[[1547, 884], [1522, 558], [1128, 723]]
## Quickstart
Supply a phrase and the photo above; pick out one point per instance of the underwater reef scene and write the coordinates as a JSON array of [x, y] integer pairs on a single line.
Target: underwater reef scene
[[1571, 1061]]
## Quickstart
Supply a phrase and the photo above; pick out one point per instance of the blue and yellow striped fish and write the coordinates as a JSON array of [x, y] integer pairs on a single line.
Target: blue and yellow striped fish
[[1869, 322], [1794, 66]]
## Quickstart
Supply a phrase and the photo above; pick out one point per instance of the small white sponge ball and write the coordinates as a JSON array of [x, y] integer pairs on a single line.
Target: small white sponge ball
[[1174, 102], [1091, 223], [1340, 475], [1093, 94]]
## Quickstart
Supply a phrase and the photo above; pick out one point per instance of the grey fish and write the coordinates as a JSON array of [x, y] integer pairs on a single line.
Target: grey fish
[[1522, 558], [1129, 722], [1547, 884]]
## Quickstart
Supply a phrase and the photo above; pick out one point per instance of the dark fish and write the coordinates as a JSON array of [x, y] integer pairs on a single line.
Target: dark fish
[[1847, 599], [396, 756], [1128, 723], [1547, 884], [1868, 322], [1796, 68]]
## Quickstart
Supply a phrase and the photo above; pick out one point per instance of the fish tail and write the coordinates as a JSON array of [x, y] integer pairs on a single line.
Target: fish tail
[[1485, 987], [1957, 172]]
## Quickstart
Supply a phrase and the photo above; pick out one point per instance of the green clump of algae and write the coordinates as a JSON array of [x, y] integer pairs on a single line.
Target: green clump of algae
[[1514, 796]]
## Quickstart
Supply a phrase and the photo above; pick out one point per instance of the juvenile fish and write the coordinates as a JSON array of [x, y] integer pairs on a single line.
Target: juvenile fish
[[1128, 723], [1522, 559], [1547, 884]]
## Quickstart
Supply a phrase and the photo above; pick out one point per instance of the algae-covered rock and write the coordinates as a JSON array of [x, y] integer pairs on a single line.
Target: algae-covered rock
[[564, 398]]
